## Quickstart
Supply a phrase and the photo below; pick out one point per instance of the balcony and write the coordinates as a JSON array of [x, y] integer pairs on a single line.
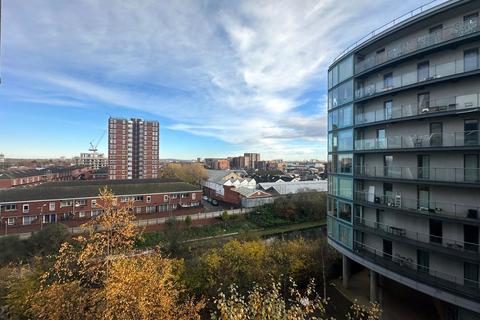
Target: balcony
[[450, 175], [406, 267], [456, 248], [469, 213], [429, 73], [434, 140], [404, 48], [452, 247], [447, 104]]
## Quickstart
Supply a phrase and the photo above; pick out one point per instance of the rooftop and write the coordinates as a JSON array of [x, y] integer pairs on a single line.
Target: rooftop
[[86, 189], [23, 173]]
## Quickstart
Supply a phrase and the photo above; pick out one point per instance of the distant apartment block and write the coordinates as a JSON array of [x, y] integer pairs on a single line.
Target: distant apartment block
[[251, 160], [92, 160], [217, 164], [28, 177], [133, 149], [404, 156]]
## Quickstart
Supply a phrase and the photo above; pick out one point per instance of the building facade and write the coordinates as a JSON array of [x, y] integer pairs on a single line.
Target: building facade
[[404, 152], [133, 149], [74, 202], [251, 160], [92, 160], [217, 164]]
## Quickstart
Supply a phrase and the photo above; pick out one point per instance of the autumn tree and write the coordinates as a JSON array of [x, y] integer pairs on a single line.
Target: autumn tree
[[100, 275], [192, 173], [269, 303]]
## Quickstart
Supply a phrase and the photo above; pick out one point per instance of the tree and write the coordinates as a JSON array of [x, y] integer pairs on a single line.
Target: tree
[[270, 303], [192, 173], [100, 275]]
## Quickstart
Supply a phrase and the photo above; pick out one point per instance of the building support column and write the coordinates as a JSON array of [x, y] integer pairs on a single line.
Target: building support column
[[373, 286], [345, 271]]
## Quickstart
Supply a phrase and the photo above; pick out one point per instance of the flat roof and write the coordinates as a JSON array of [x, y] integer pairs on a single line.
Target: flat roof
[[25, 173], [89, 189]]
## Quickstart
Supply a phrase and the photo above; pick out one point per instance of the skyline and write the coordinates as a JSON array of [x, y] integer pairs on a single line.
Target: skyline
[[221, 78]]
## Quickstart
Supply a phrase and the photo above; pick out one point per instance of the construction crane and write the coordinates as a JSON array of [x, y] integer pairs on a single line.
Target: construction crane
[[93, 148]]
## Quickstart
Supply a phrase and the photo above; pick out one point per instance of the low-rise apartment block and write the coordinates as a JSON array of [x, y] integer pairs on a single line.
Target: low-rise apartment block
[[79, 200]]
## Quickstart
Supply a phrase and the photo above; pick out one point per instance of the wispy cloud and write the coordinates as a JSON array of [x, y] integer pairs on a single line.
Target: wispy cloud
[[245, 72]]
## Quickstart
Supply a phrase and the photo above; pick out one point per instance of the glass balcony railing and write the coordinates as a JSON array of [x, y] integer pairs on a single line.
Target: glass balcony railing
[[462, 175], [446, 104], [434, 140], [423, 74], [445, 209], [422, 273], [431, 240], [409, 46]]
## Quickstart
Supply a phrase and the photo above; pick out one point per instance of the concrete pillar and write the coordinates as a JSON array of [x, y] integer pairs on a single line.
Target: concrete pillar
[[373, 286], [345, 270]]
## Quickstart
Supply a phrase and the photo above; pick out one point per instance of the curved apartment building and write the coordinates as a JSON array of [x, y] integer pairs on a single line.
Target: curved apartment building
[[404, 155]]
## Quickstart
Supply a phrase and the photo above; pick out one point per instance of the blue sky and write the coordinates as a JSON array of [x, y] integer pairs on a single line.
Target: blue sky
[[221, 77]]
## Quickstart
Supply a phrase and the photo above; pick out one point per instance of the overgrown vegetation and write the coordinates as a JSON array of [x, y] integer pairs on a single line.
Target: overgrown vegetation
[[103, 275]]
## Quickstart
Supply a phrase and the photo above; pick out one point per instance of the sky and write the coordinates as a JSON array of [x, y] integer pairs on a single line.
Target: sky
[[221, 77]]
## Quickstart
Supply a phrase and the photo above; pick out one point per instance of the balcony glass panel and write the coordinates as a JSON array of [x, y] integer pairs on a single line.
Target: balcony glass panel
[[426, 238], [431, 208], [408, 268], [445, 104], [422, 74], [423, 173], [408, 46], [446, 139]]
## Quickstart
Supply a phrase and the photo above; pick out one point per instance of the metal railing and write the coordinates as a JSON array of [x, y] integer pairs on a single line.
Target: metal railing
[[446, 104], [434, 140], [431, 240], [421, 207], [421, 273], [402, 48], [462, 175], [389, 25], [432, 72]]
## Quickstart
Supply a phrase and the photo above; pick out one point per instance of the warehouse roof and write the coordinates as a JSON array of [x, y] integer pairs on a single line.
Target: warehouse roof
[[86, 189]]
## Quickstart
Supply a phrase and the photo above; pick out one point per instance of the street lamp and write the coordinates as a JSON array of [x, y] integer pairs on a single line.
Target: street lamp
[[41, 215]]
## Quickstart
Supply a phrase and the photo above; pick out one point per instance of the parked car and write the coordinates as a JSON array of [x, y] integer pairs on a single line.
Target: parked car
[[205, 198], [214, 202]]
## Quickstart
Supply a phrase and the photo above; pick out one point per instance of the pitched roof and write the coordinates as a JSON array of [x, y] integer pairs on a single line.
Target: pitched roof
[[85, 189]]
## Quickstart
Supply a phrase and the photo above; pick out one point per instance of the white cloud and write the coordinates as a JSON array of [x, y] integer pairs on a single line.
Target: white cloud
[[238, 71]]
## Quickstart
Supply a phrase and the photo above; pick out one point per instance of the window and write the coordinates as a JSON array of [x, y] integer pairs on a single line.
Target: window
[[423, 195], [423, 163], [174, 196], [48, 218], [471, 132], [436, 231], [66, 203], [124, 199], [423, 102], [165, 198], [149, 199], [387, 109], [94, 203], [184, 195], [79, 203], [8, 207], [138, 210], [345, 211], [29, 220], [51, 206], [388, 170], [11, 221], [471, 165], [345, 116], [163, 207], [388, 192], [423, 261], [138, 198], [345, 163], [436, 134], [387, 249], [81, 214], [151, 209], [96, 212], [381, 139], [388, 81], [470, 60], [470, 21], [345, 140], [194, 196], [345, 188], [26, 208], [423, 72], [470, 271]]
